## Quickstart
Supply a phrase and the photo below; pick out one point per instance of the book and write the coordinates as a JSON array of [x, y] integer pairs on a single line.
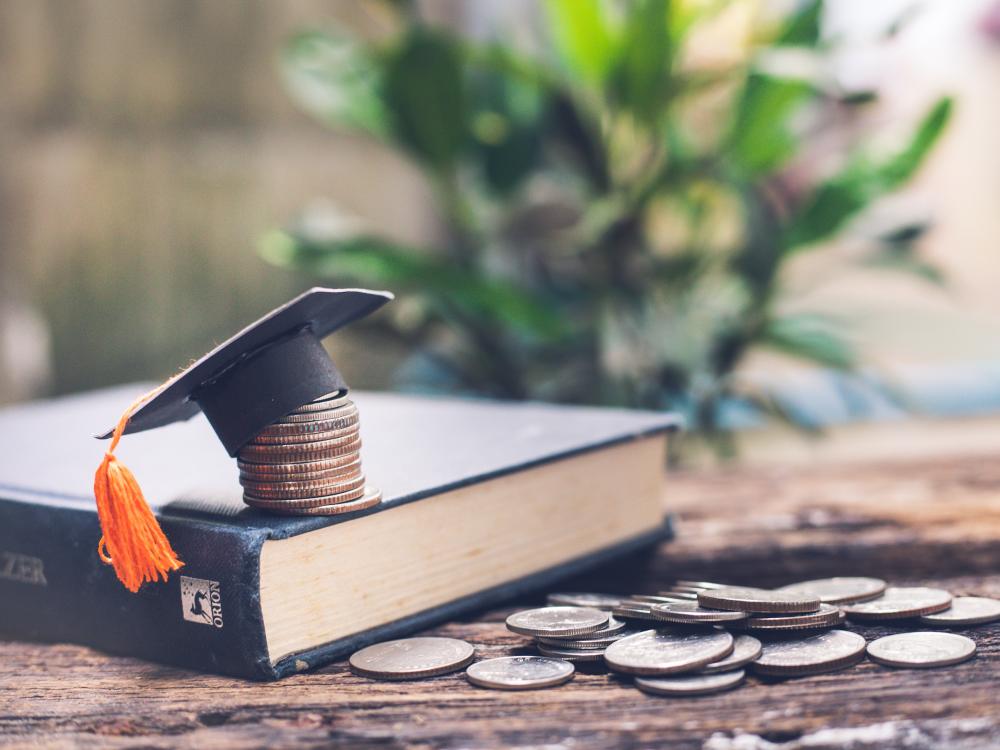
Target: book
[[482, 501]]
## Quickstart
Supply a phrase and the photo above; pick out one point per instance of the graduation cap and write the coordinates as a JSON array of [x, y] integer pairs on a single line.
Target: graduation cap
[[245, 384]]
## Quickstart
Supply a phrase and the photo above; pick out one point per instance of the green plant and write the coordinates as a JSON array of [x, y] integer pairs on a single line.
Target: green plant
[[617, 217]]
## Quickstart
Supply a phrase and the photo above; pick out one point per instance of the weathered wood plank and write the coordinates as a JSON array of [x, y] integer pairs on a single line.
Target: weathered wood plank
[[937, 523]]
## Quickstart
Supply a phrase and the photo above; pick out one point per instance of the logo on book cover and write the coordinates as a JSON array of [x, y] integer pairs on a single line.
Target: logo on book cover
[[201, 601], [22, 568]]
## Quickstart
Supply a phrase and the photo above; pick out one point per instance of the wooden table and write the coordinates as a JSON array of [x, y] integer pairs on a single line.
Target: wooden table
[[931, 522]]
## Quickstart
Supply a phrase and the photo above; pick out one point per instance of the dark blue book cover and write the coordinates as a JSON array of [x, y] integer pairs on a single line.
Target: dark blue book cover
[[209, 616]]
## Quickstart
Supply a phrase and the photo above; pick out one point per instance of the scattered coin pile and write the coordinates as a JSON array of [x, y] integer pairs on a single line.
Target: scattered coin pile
[[308, 462], [700, 637]]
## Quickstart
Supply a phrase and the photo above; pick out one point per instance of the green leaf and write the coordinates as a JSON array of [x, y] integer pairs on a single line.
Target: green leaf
[[902, 256], [374, 261], [811, 338], [839, 199], [904, 165], [583, 37], [761, 139], [335, 79], [506, 125], [803, 27], [425, 97], [640, 79]]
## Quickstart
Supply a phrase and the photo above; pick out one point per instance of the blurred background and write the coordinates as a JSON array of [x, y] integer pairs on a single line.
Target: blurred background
[[759, 213]]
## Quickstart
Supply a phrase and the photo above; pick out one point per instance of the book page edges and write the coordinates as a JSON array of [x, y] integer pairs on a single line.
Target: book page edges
[[344, 579]]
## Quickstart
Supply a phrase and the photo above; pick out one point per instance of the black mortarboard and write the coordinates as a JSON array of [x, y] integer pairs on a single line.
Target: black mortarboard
[[266, 371], [263, 372]]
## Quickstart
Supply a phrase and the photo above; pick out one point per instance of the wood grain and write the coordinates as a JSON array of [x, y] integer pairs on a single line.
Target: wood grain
[[937, 523]]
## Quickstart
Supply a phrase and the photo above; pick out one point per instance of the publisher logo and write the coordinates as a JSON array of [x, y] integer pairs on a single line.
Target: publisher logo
[[201, 601], [22, 568]]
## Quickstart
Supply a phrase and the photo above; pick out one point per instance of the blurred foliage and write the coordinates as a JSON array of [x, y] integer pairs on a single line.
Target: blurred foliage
[[617, 218]]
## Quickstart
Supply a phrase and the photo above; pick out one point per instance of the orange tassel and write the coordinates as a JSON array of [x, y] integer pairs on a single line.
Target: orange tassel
[[133, 541]]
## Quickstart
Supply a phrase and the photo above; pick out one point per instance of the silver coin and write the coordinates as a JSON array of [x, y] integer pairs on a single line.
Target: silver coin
[[693, 684], [572, 654], [747, 599], [839, 590], [411, 658], [647, 600], [827, 616], [329, 401], [815, 654], [612, 628], [304, 469], [668, 596], [586, 641], [298, 432], [746, 648], [701, 585], [693, 613], [574, 599], [668, 651], [319, 416], [298, 439], [900, 602], [304, 490], [333, 472], [371, 497], [299, 452], [966, 610], [519, 672], [336, 494], [922, 649], [556, 621], [635, 612]]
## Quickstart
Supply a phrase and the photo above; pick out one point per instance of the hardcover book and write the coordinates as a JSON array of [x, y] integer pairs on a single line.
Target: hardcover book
[[481, 501]]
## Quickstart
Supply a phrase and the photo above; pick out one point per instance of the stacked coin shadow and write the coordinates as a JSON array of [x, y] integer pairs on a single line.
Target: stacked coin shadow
[[308, 462]]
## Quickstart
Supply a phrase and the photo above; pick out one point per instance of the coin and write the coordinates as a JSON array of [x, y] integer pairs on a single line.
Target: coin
[[252, 475], [305, 437], [303, 490], [329, 401], [701, 585], [693, 613], [336, 494], [613, 626], [814, 654], [839, 590], [900, 602], [585, 641], [747, 599], [662, 598], [571, 654], [299, 452], [555, 621], [300, 431], [922, 649], [635, 612], [746, 648], [519, 672], [668, 650], [574, 599], [965, 610], [693, 684], [827, 616], [411, 658], [320, 469], [370, 497], [318, 416]]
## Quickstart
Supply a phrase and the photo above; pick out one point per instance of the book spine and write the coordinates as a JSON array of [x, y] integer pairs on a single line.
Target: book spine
[[53, 587]]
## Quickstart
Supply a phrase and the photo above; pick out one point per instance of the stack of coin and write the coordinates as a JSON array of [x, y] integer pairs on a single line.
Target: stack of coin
[[308, 462], [682, 642]]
